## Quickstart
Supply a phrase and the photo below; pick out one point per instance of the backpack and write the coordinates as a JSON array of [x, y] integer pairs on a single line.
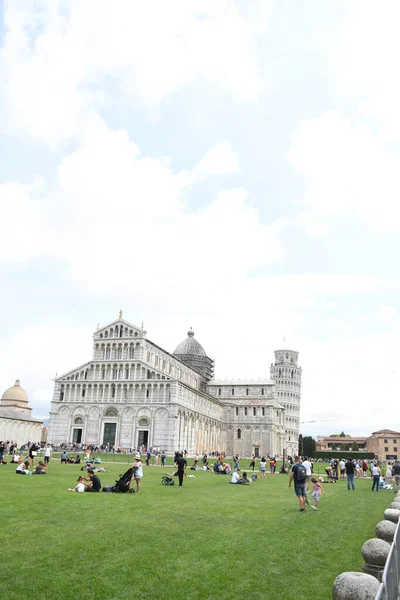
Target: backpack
[[301, 474]]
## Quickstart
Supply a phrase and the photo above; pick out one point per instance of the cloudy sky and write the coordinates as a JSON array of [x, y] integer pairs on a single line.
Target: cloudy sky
[[231, 166]]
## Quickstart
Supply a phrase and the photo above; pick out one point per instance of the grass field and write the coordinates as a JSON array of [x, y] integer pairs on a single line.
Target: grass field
[[207, 539]]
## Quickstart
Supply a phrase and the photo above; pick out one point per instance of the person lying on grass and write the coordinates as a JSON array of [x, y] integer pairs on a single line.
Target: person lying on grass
[[94, 468]]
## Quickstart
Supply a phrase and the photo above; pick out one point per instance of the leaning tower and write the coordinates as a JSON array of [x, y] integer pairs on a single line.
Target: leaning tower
[[287, 376]]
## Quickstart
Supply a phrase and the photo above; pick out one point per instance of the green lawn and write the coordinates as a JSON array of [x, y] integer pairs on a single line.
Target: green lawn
[[207, 539]]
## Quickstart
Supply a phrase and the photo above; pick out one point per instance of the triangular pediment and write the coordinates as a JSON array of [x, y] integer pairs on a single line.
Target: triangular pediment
[[112, 330]]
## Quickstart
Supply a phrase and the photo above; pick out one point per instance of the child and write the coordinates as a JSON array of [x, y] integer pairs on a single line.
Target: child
[[317, 491], [80, 487]]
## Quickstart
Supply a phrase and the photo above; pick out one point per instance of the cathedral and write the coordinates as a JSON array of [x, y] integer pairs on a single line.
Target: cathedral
[[132, 393]]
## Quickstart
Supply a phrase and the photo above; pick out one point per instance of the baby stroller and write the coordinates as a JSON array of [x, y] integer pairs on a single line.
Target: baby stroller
[[167, 480], [123, 484]]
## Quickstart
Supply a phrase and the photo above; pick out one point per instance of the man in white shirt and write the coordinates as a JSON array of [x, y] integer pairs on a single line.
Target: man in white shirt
[[47, 454], [308, 467], [236, 477], [375, 471]]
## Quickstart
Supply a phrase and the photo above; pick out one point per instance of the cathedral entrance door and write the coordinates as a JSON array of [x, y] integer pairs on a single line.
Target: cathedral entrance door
[[110, 430], [257, 452], [76, 436], [143, 438]]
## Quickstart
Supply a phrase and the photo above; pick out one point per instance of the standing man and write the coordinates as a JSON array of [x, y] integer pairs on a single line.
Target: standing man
[[396, 475], [163, 457], [181, 463], [350, 473], [148, 456], [47, 454], [376, 472], [298, 475], [308, 467]]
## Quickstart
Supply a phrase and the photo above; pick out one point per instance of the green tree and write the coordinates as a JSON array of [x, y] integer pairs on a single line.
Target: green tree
[[301, 444], [308, 446], [345, 447], [354, 447]]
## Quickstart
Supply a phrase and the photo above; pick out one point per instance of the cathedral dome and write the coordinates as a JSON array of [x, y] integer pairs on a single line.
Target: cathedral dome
[[15, 394], [190, 346]]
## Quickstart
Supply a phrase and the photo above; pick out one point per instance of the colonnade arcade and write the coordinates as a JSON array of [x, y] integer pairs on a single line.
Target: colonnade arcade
[[197, 433], [115, 392]]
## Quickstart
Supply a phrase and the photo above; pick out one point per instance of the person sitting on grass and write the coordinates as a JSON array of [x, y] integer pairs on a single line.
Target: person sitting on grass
[[94, 484], [23, 468], [245, 479], [80, 486], [40, 469], [16, 459], [236, 477], [77, 460]]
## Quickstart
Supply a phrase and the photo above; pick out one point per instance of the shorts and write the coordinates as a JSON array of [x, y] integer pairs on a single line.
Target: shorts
[[263, 469], [316, 496], [47, 459], [300, 489]]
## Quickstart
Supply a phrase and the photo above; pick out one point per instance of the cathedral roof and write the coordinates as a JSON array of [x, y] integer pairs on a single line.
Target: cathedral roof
[[17, 416], [190, 346], [16, 394]]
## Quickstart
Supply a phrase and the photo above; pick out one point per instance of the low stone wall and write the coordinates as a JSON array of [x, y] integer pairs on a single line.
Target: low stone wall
[[365, 585]]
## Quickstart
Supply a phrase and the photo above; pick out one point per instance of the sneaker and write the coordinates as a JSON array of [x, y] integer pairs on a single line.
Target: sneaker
[[301, 510]]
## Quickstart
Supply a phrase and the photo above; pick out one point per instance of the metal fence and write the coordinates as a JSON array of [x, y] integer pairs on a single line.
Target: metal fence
[[390, 586]]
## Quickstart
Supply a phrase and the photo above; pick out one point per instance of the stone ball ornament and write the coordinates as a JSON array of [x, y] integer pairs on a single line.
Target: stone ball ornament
[[392, 514], [375, 552], [354, 586], [385, 530]]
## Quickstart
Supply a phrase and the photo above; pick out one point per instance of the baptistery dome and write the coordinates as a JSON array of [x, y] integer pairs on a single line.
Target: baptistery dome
[[15, 394]]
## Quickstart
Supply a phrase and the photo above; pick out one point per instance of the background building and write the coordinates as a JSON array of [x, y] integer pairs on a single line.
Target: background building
[[134, 393], [384, 443], [16, 422]]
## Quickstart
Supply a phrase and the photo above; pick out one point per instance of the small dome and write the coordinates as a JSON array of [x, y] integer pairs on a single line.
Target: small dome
[[190, 346], [15, 393]]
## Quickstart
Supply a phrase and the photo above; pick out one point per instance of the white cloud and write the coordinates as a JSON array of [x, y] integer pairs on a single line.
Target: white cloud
[[220, 160], [349, 172], [57, 62], [36, 353], [21, 218]]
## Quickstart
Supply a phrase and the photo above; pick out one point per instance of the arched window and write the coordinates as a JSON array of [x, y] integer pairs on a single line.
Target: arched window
[[78, 421], [131, 353], [144, 422], [111, 413], [239, 434]]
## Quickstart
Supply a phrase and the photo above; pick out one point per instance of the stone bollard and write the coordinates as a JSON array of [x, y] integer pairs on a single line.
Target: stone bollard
[[375, 553], [395, 505], [354, 586], [392, 514], [385, 530]]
